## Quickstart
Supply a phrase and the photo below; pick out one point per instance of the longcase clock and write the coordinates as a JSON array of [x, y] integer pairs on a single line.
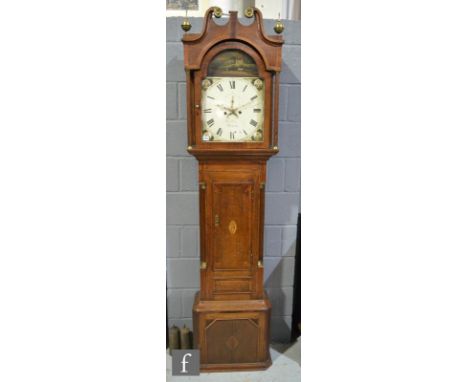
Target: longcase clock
[[232, 71]]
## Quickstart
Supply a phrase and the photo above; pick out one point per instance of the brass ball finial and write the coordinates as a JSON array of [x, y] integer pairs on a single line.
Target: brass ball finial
[[218, 12], [186, 26], [249, 12], [279, 26]]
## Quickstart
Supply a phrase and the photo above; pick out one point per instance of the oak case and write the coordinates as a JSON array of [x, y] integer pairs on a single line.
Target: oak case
[[231, 313]]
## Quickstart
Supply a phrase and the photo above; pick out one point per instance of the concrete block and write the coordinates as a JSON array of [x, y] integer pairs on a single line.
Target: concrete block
[[176, 138], [183, 273], [292, 175], [291, 66], [188, 296], [278, 271], [173, 30], [174, 303], [294, 103], [281, 300], [291, 33], [172, 174], [280, 329], [281, 208], [289, 139], [190, 241], [175, 71], [171, 101], [188, 174], [275, 174], [182, 101], [172, 241], [283, 101], [272, 241], [182, 208], [288, 241]]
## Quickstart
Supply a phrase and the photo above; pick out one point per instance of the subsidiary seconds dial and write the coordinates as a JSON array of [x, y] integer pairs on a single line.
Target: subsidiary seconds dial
[[232, 109]]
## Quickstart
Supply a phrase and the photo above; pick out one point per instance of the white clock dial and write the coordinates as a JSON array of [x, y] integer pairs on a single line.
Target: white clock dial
[[232, 109]]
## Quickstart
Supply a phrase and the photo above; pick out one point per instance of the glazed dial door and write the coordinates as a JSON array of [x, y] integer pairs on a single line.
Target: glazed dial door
[[232, 109]]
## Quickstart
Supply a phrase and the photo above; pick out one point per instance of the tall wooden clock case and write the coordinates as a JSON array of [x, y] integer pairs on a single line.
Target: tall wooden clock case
[[232, 71]]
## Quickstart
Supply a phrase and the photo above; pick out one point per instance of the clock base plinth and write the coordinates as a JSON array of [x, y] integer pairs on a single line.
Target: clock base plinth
[[232, 335]]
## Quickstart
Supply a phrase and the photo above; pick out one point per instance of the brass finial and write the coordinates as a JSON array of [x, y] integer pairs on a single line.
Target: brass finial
[[249, 12], [218, 12], [186, 26], [279, 26]]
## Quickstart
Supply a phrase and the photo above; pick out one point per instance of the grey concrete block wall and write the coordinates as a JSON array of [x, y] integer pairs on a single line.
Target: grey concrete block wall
[[282, 189]]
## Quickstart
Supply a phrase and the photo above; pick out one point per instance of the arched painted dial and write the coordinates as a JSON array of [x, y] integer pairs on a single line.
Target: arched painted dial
[[232, 109]]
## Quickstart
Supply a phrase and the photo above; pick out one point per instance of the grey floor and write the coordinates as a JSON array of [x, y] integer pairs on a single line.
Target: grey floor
[[286, 367]]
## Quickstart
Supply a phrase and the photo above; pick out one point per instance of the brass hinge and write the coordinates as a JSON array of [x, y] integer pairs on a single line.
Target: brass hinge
[[203, 265], [203, 185], [216, 220], [260, 264]]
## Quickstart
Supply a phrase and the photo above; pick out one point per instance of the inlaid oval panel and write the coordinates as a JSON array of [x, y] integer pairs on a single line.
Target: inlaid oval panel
[[232, 227]]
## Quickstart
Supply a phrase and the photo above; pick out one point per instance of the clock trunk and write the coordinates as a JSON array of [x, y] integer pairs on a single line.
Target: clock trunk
[[231, 202]]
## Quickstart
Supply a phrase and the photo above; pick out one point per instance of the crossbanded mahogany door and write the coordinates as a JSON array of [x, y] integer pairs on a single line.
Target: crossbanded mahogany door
[[232, 213]]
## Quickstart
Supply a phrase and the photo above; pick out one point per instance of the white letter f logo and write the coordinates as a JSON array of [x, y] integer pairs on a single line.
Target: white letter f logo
[[183, 362]]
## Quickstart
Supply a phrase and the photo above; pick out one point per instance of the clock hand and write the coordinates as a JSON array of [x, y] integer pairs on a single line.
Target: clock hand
[[223, 107], [233, 110], [230, 110], [244, 105]]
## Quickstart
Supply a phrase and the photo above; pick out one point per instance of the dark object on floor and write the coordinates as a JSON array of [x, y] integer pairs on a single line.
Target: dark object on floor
[[167, 322], [185, 338], [296, 314], [174, 338]]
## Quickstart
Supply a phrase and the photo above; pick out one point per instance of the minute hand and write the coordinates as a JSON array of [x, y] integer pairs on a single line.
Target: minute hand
[[244, 105]]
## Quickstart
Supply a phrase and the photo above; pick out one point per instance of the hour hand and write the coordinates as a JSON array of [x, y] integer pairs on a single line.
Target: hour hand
[[228, 109], [223, 107]]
